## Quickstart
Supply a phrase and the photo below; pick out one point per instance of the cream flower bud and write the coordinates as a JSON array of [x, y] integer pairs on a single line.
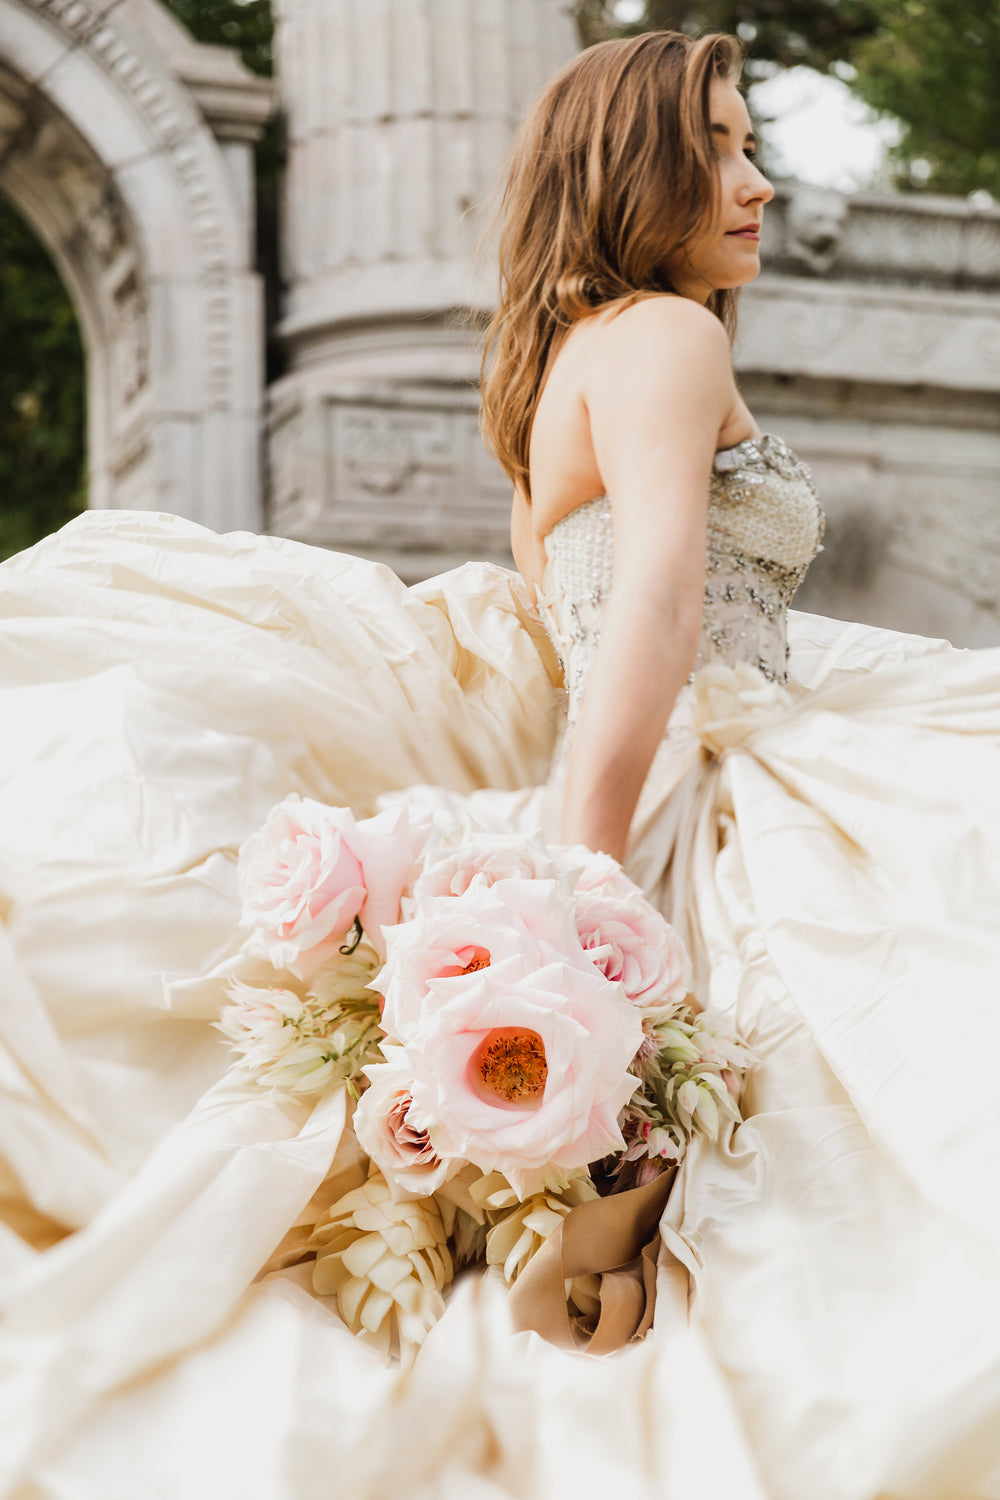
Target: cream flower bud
[[519, 1229], [308, 1045], [386, 1264]]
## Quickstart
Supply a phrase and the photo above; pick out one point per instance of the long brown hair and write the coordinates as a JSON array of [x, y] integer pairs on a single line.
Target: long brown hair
[[611, 176]]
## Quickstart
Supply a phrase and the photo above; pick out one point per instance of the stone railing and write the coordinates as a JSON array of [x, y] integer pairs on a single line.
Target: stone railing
[[887, 238]]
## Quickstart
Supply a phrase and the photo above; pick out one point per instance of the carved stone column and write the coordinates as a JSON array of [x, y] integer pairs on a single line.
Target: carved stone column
[[400, 113]]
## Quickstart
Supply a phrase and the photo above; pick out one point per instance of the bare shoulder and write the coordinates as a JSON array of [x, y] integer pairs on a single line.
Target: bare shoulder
[[665, 347], [662, 326], [662, 311]]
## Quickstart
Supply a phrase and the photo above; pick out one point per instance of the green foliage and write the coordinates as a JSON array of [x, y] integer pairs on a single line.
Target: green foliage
[[42, 474], [935, 64], [785, 32], [228, 23]]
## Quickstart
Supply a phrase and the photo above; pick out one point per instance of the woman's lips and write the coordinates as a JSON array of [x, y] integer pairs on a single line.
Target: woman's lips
[[745, 234]]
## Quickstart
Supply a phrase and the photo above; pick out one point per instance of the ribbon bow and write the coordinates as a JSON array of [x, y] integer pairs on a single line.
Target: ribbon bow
[[616, 1238]]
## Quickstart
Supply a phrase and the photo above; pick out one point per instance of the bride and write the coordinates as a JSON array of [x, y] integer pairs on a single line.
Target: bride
[[816, 805]]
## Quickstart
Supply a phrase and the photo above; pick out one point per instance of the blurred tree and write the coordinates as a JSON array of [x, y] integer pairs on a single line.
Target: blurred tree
[[42, 472], [815, 33], [247, 26], [935, 64]]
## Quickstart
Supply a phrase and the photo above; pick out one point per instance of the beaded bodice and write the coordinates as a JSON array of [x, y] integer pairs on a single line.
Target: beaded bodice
[[764, 528]]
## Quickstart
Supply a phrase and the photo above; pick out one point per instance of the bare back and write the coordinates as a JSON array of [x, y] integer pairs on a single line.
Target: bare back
[[564, 469]]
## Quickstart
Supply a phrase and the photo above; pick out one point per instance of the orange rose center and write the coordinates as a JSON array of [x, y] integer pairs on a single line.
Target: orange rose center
[[476, 958], [511, 1065]]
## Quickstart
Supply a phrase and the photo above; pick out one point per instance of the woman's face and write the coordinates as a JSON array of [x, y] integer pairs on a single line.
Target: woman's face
[[728, 253]]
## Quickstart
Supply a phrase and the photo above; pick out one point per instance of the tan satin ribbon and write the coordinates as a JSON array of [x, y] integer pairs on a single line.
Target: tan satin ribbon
[[616, 1238]]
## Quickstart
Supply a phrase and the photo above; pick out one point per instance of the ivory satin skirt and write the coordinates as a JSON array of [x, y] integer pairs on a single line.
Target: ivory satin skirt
[[828, 1314]]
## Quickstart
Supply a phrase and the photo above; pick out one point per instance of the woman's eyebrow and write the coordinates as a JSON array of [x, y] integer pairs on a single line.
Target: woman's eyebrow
[[724, 130]]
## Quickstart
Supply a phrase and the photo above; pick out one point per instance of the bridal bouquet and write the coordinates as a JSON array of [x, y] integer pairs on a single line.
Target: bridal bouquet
[[513, 1022]]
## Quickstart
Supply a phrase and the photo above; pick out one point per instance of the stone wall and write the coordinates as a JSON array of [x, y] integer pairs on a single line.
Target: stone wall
[[871, 342]]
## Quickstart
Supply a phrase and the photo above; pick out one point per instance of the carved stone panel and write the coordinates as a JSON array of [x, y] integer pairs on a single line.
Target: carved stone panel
[[858, 332], [912, 499], [403, 475], [948, 528], [131, 341]]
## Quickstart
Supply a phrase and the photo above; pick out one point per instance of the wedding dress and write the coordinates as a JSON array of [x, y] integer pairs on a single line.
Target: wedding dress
[[821, 821]]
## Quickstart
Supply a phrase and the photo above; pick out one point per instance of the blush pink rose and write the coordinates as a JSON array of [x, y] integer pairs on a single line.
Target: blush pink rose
[[388, 846], [521, 1070], [301, 884], [590, 871], [311, 869], [382, 1124], [449, 937], [450, 869], [632, 944]]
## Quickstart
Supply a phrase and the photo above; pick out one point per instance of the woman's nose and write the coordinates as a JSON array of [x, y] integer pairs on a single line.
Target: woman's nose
[[756, 188]]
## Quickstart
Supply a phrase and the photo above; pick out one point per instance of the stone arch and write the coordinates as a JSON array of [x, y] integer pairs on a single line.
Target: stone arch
[[126, 146]]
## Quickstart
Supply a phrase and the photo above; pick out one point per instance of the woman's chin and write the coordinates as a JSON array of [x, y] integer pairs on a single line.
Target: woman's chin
[[738, 276]]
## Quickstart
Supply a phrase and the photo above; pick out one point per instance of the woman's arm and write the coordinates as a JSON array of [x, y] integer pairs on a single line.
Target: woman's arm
[[658, 389]]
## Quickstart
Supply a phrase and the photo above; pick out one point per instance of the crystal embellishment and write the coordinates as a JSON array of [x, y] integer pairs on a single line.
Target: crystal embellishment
[[765, 525]]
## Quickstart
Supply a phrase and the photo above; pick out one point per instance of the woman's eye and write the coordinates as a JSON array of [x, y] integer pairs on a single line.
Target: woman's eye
[[750, 153]]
